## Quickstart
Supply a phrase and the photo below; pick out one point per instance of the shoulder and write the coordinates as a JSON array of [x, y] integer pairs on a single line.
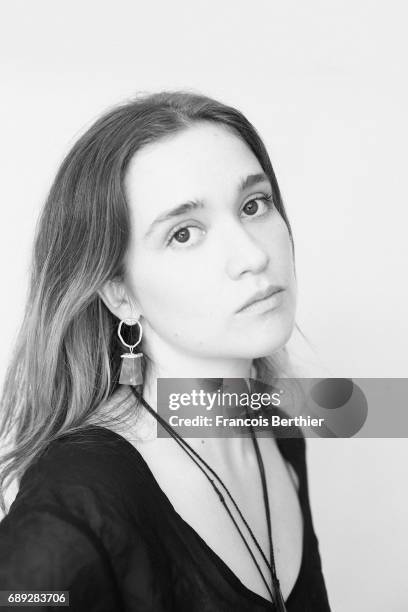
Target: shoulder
[[77, 501], [65, 518], [81, 455], [89, 474], [80, 508]]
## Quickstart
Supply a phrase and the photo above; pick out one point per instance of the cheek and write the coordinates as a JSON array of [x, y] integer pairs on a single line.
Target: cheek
[[277, 243], [167, 292], [285, 244], [178, 308]]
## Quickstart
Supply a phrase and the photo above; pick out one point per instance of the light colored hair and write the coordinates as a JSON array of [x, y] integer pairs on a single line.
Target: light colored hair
[[67, 356]]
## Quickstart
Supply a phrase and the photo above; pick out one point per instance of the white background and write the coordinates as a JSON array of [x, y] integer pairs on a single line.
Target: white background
[[325, 84]]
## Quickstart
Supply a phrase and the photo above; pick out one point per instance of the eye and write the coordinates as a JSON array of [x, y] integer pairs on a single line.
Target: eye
[[252, 206], [182, 235]]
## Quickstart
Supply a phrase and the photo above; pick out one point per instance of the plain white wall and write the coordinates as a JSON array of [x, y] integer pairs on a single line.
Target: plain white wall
[[325, 84]]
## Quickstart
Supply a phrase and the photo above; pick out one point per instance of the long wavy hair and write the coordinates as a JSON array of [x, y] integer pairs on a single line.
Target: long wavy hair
[[67, 356]]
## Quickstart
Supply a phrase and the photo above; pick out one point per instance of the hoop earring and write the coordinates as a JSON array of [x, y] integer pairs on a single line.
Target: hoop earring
[[131, 369]]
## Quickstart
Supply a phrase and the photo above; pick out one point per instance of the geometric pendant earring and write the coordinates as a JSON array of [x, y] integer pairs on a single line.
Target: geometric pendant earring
[[131, 369]]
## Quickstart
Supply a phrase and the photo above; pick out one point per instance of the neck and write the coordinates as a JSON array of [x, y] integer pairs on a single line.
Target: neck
[[168, 361], [228, 451]]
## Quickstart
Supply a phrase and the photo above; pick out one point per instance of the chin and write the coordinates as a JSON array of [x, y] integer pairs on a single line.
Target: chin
[[254, 346], [265, 340]]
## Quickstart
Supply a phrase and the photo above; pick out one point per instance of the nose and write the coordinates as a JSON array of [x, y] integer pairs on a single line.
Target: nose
[[245, 252]]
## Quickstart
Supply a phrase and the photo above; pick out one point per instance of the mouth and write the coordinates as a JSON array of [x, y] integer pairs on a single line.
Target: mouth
[[263, 300]]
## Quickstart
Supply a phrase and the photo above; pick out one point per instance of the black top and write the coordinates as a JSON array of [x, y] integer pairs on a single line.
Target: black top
[[91, 519]]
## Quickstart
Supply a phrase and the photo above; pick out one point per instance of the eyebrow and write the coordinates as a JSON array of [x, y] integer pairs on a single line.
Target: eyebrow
[[245, 183]]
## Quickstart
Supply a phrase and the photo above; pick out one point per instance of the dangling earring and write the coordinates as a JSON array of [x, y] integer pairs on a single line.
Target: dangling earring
[[131, 369]]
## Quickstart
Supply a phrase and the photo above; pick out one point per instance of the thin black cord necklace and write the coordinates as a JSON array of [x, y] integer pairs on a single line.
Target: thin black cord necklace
[[278, 594], [277, 597]]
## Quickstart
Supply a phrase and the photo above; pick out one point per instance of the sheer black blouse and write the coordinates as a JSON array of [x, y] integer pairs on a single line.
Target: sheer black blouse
[[91, 519]]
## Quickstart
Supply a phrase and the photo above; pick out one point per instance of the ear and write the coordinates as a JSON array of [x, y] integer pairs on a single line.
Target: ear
[[116, 297]]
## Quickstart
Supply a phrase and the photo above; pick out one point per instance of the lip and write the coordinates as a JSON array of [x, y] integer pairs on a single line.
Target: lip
[[260, 295]]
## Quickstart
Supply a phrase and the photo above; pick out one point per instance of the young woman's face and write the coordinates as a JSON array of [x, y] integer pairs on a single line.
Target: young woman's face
[[204, 240]]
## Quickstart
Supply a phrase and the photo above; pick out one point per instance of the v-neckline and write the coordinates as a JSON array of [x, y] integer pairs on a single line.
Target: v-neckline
[[231, 577]]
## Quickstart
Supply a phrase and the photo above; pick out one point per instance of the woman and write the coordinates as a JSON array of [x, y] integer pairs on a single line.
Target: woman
[[165, 219]]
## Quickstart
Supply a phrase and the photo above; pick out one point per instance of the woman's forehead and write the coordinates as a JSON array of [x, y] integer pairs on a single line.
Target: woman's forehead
[[202, 161]]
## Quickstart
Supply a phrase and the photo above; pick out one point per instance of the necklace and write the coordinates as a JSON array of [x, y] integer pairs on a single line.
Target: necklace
[[277, 597]]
